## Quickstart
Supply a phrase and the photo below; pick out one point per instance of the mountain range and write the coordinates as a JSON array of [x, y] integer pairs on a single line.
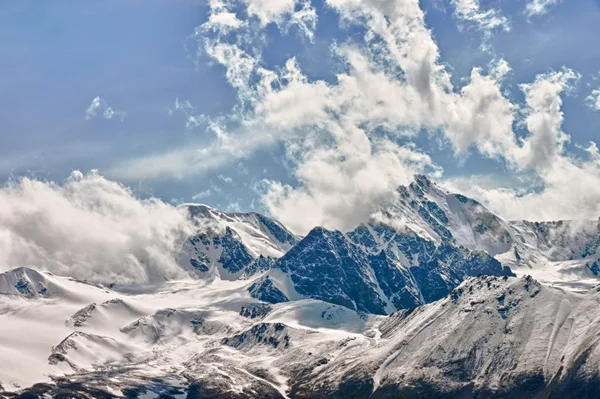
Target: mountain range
[[433, 296]]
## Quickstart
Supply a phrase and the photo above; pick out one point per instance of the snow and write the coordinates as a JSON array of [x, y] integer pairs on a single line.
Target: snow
[[556, 253], [491, 329]]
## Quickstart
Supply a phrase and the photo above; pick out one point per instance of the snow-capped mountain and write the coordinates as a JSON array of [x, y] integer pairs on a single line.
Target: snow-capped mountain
[[419, 301], [373, 269], [491, 337], [561, 252], [233, 245], [501, 337]]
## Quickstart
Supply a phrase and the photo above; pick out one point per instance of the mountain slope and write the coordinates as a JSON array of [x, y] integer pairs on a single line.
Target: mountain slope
[[233, 245], [373, 269], [563, 252], [491, 337]]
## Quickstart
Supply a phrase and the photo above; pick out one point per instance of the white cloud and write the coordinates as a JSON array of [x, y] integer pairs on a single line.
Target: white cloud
[[270, 10], [341, 186], [100, 107], [342, 137], [89, 228], [202, 194], [557, 185], [224, 20], [544, 118], [593, 100], [284, 13], [539, 7], [568, 189], [192, 119], [226, 179], [487, 21]]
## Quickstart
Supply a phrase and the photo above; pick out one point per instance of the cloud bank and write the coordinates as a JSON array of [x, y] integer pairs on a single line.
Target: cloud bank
[[90, 228]]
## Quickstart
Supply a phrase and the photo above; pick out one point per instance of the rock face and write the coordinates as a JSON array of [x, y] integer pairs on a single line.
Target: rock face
[[26, 283], [233, 245], [264, 290], [376, 269]]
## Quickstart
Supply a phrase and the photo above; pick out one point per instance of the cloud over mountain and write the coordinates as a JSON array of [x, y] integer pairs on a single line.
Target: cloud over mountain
[[89, 228]]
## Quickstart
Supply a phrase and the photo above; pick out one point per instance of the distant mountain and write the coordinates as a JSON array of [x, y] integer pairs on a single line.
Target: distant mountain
[[233, 245], [561, 252], [238, 245]]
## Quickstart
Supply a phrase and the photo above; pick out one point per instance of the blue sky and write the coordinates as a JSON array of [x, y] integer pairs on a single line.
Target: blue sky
[[171, 101]]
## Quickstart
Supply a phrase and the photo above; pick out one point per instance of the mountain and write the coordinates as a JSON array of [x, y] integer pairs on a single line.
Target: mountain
[[25, 282], [372, 269], [417, 302], [233, 245], [561, 252], [491, 337]]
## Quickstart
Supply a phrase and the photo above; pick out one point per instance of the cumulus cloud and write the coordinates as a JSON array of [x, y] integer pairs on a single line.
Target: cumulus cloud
[[593, 100], [568, 189], [90, 228], [341, 187], [539, 7], [553, 184], [349, 141], [100, 107], [544, 118]]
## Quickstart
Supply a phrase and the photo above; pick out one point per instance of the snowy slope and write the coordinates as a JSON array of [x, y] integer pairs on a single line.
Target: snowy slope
[[499, 337], [233, 245], [83, 330], [491, 336], [564, 252]]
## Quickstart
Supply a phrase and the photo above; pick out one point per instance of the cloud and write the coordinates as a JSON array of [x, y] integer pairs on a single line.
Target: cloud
[[100, 107], [550, 183], [539, 7], [192, 119], [90, 228], [350, 141], [487, 21], [568, 189], [593, 100], [202, 194], [341, 187], [544, 118], [226, 179]]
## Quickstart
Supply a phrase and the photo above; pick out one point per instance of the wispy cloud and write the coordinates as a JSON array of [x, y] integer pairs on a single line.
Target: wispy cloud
[[100, 107], [593, 100], [470, 11], [192, 118], [202, 194], [539, 7]]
